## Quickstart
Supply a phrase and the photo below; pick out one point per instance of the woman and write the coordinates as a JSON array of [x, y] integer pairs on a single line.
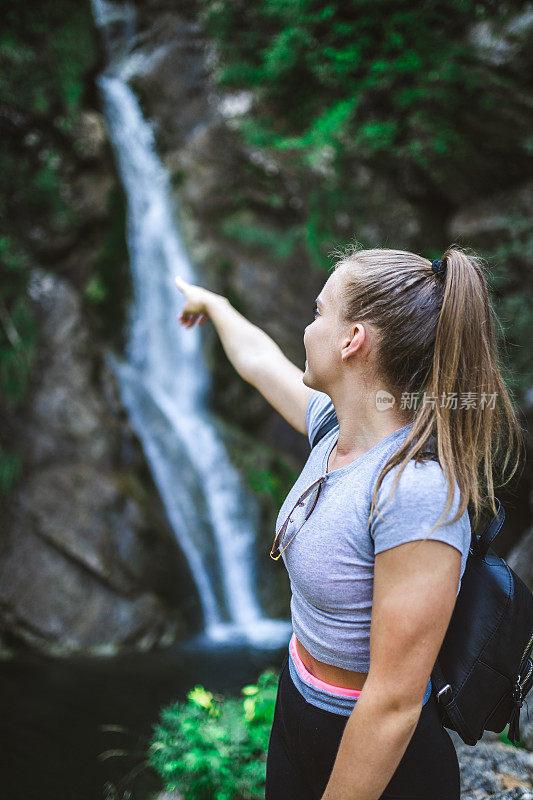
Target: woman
[[376, 530]]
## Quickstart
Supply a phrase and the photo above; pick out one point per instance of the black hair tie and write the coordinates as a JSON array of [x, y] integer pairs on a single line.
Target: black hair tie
[[438, 267]]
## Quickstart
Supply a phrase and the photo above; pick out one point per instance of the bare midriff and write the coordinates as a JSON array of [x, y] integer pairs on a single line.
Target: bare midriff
[[338, 676]]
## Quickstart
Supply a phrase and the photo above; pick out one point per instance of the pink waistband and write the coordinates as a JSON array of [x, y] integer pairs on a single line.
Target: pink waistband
[[316, 682]]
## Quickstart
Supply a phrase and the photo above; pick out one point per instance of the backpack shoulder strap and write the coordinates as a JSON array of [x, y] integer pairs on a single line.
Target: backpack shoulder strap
[[486, 538], [480, 544], [328, 424]]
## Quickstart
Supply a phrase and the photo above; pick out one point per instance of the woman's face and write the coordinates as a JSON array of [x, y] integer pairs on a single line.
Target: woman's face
[[323, 338]]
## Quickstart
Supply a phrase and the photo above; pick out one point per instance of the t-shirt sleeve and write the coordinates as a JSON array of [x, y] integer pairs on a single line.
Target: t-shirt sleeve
[[417, 504], [319, 411]]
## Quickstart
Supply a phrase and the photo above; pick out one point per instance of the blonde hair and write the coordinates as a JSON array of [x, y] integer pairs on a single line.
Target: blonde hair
[[436, 335]]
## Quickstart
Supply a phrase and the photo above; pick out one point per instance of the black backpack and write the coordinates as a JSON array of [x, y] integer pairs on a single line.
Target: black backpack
[[484, 668]]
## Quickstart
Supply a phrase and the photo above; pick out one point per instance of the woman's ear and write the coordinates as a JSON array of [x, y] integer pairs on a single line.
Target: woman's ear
[[354, 341]]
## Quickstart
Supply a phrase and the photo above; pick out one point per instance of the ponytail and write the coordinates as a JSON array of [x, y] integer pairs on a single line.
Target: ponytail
[[437, 343]]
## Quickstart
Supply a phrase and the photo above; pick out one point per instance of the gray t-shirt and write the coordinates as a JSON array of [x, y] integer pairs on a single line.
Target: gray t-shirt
[[331, 560]]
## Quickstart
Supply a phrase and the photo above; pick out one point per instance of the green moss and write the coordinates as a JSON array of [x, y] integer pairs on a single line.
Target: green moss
[[18, 342], [256, 235], [265, 471], [10, 470], [109, 289], [45, 52], [508, 275], [369, 80]]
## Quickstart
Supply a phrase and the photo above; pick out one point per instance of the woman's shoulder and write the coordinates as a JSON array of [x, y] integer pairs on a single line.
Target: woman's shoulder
[[418, 480], [415, 506]]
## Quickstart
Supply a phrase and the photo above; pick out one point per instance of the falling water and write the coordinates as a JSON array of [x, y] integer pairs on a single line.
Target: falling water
[[162, 377]]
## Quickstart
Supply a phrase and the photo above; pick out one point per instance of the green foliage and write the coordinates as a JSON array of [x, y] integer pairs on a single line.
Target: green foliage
[[503, 738], [268, 481], [266, 471], [10, 470], [396, 88], [18, 339], [369, 80], [242, 228], [45, 51], [17, 326], [508, 279], [109, 286], [212, 748]]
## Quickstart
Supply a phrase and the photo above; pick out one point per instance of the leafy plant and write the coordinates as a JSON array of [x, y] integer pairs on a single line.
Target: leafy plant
[[502, 736], [212, 748]]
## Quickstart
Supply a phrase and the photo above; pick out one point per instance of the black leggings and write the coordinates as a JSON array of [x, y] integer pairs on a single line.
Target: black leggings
[[304, 741]]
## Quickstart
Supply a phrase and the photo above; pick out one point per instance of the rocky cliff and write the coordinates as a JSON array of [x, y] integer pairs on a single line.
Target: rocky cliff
[[88, 562]]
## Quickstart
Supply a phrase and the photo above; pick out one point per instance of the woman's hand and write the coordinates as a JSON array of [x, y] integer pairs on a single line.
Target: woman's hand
[[197, 300]]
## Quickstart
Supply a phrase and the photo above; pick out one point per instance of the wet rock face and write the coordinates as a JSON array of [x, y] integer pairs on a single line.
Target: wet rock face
[[85, 551], [81, 562]]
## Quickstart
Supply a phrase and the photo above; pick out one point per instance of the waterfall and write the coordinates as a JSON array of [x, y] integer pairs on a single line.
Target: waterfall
[[162, 377]]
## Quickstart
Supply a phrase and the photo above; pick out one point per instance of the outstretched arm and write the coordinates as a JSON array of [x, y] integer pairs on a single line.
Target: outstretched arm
[[256, 357]]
